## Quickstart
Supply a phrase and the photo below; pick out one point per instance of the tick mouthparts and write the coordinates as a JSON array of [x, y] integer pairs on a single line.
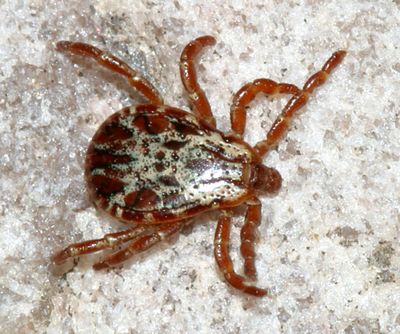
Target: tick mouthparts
[[266, 179]]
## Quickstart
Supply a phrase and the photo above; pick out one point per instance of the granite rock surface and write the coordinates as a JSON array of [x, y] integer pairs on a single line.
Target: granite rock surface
[[328, 248]]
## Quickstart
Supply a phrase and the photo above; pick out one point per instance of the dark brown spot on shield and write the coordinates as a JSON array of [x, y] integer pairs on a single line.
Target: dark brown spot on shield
[[160, 155], [159, 167], [98, 159], [157, 124], [175, 145], [116, 173], [111, 132], [152, 124], [140, 123], [186, 128], [146, 200], [169, 180], [131, 198], [106, 185]]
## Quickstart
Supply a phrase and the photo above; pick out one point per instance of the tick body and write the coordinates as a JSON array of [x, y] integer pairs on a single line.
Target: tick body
[[156, 167]]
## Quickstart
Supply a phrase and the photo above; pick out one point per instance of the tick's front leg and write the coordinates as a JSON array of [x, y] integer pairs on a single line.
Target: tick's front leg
[[114, 64], [248, 92], [281, 124], [197, 97]]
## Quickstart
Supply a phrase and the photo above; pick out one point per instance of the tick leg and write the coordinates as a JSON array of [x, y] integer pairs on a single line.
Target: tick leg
[[114, 64], [140, 244], [248, 92], [296, 102], [108, 241], [224, 261], [248, 236], [197, 97]]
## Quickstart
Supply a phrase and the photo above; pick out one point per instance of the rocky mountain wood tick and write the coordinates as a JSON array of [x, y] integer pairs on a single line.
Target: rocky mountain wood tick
[[156, 167]]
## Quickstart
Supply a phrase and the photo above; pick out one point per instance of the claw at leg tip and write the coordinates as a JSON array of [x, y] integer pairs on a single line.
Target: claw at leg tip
[[60, 257], [62, 45]]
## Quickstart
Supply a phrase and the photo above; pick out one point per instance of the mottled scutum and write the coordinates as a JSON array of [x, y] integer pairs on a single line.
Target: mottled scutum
[[145, 162]]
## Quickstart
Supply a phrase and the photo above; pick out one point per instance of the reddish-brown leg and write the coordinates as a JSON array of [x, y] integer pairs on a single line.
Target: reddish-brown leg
[[114, 64], [248, 92], [224, 261], [296, 102], [248, 237], [140, 244], [108, 241], [197, 97]]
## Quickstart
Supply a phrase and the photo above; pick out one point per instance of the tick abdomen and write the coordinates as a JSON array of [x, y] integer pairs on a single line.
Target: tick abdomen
[[148, 162]]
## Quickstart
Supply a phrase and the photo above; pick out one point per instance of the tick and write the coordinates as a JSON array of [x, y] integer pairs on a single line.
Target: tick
[[156, 167]]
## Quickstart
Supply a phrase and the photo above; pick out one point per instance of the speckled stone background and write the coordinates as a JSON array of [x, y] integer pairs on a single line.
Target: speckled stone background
[[329, 242]]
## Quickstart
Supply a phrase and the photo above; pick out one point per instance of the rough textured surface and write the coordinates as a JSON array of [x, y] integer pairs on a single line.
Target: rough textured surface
[[329, 243]]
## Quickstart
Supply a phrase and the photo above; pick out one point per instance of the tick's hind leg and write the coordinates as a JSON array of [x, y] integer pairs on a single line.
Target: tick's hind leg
[[108, 241], [224, 261], [248, 92], [296, 102], [197, 97], [140, 244], [114, 64], [248, 237]]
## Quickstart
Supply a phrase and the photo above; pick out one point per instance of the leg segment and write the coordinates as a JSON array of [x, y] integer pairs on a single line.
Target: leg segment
[[296, 102], [248, 236], [140, 244], [197, 97], [247, 94], [114, 64], [108, 241], [224, 261]]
